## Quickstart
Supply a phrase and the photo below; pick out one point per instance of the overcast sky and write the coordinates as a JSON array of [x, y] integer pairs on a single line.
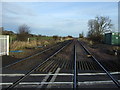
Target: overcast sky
[[56, 18]]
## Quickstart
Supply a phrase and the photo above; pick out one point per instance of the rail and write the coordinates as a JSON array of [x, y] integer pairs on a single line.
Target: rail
[[29, 57], [32, 70], [75, 71], [112, 78]]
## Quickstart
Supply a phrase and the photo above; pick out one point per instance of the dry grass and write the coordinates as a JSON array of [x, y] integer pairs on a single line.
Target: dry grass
[[17, 45], [89, 42], [29, 48], [99, 48], [22, 44]]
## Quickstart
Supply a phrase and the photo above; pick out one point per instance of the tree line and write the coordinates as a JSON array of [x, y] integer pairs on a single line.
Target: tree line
[[24, 32]]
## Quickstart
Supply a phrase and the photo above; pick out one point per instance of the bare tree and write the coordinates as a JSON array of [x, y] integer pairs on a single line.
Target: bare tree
[[55, 37], [23, 32], [69, 36], [81, 35], [98, 26]]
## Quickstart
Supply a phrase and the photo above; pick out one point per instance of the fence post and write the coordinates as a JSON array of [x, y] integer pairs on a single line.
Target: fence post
[[7, 44]]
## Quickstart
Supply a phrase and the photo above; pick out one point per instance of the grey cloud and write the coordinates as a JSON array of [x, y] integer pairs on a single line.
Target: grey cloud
[[17, 9]]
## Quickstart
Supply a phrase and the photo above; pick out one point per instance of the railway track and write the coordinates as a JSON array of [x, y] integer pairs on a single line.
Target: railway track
[[68, 67], [116, 82], [32, 61], [32, 56], [33, 69]]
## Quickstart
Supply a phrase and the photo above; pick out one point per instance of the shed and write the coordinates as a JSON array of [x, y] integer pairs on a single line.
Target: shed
[[112, 38]]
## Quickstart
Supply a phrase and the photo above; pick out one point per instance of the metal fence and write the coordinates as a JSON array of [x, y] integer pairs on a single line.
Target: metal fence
[[4, 45]]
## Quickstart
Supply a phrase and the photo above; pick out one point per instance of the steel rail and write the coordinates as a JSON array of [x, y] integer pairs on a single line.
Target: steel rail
[[75, 70], [112, 78], [29, 57], [32, 70]]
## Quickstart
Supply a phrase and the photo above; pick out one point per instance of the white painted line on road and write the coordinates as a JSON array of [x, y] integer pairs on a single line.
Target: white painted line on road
[[53, 78], [36, 83], [96, 82], [13, 75], [6, 83], [98, 73], [79, 83], [43, 81]]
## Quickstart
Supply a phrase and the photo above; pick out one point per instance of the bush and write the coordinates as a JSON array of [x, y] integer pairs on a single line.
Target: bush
[[97, 27], [55, 37], [23, 33]]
